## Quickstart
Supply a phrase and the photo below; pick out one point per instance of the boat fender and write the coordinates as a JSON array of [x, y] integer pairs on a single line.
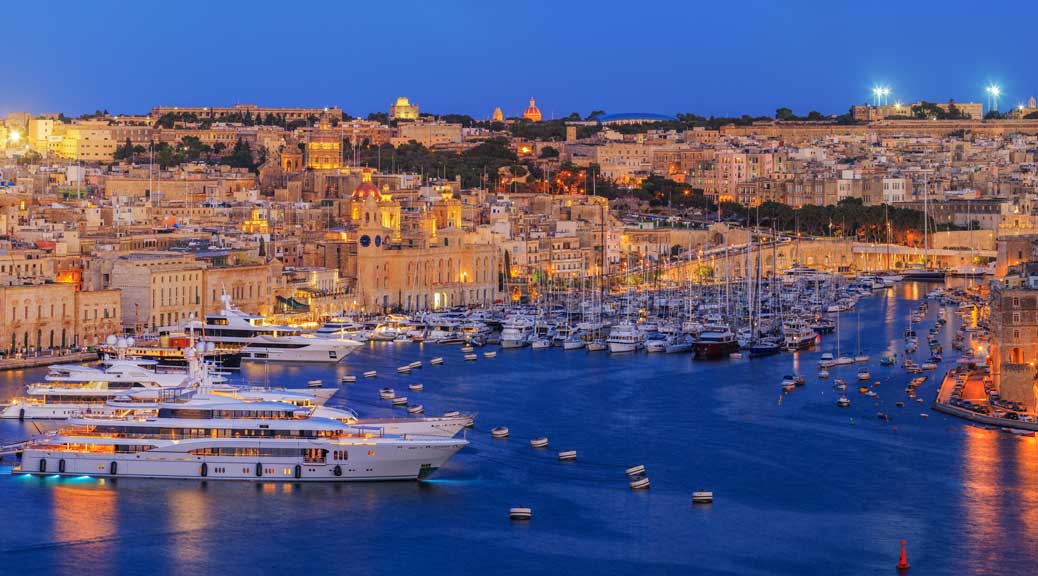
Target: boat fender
[[299, 471], [21, 414], [259, 469], [61, 466], [338, 470], [43, 465], [204, 469], [114, 468]]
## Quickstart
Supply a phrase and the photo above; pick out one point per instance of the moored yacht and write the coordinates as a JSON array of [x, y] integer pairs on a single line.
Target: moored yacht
[[220, 438], [624, 337], [236, 330]]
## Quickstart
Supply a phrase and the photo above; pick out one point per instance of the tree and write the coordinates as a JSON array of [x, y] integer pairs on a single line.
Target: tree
[[124, 152], [549, 152], [784, 114], [595, 114]]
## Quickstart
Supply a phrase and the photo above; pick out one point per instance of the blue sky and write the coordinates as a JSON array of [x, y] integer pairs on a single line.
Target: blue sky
[[711, 58]]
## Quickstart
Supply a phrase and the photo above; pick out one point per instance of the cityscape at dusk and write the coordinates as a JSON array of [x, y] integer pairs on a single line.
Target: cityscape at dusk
[[539, 288]]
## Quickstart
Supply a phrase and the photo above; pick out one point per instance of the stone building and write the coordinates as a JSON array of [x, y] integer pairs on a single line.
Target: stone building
[[1014, 335]]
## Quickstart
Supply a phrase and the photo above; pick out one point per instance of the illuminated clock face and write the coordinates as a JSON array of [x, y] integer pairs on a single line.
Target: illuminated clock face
[[365, 241], [378, 241]]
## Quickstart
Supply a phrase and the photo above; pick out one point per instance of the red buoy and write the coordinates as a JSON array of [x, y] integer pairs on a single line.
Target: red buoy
[[902, 563]]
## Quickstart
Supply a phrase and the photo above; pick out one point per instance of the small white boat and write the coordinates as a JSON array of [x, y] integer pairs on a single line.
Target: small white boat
[[863, 374], [404, 370], [596, 346], [541, 442], [491, 354], [417, 387], [416, 409], [436, 361], [640, 483], [386, 393], [466, 349], [370, 374], [843, 402], [399, 401], [415, 365], [348, 379], [568, 455], [520, 513], [702, 497], [925, 415], [499, 432], [861, 358], [823, 374], [735, 355], [471, 357], [540, 344], [928, 366], [313, 384], [635, 470]]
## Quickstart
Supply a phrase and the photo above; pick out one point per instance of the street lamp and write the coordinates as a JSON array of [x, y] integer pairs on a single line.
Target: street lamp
[[993, 93]]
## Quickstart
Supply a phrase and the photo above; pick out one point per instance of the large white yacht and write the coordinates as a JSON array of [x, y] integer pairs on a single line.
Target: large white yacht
[[71, 389], [234, 329], [215, 437], [625, 337]]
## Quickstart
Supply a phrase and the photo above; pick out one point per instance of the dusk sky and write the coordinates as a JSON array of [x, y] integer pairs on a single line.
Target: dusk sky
[[710, 58]]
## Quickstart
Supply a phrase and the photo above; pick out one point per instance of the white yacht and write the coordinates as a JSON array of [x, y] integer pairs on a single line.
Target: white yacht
[[341, 329], [515, 333], [214, 437], [72, 389], [234, 329], [624, 337]]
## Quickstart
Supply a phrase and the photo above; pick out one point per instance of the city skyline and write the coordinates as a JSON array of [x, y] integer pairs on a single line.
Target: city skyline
[[696, 59]]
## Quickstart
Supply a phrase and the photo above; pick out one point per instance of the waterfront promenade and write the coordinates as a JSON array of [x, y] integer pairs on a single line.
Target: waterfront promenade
[[46, 360]]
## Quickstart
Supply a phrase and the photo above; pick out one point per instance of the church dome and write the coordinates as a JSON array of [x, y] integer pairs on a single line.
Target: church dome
[[366, 188], [533, 113]]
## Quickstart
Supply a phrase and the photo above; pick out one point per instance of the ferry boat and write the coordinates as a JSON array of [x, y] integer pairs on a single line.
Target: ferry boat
[[235, 330], [218, 438]]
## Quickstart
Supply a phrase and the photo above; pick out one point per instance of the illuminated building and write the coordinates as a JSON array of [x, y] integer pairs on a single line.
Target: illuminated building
[[498, 115], [428, 264], [42, 316], [403, 110], [532, 113], [1014, 334], [324, 147]]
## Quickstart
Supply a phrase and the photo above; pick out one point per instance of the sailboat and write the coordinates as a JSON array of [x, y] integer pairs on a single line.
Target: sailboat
[[924, 273]]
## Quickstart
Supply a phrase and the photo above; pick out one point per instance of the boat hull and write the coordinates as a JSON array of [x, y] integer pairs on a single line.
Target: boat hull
[[383, 463]]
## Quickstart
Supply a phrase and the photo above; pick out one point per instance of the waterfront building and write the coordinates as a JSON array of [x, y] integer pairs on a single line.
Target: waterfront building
[[1014, 335], [55, 316]]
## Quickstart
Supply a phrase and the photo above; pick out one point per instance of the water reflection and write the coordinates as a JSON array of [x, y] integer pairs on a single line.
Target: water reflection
[[84, 511]]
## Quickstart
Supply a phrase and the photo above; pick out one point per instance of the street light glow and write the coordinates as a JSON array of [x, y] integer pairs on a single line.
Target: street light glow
[[14, 136]]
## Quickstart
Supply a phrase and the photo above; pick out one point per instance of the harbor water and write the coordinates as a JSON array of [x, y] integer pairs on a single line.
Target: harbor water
[[801, 486]]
